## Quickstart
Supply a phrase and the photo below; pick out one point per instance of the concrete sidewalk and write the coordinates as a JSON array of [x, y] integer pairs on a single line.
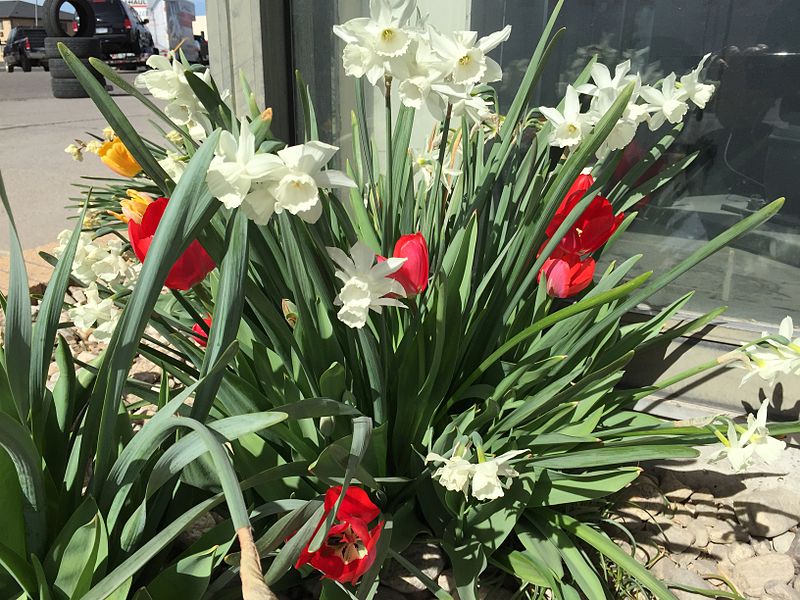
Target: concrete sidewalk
[[34, 130]]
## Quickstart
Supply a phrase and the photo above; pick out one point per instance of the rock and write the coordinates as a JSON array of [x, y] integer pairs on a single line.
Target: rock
[[783, 542], [752, 575], [703, 566], [762, 547], [428, 558], [674, 489], [794, 551], [700, 534], [768, 512], [780, 591], [667, 570], [684, 514], [738, 552], [722, 532], [678, 539]]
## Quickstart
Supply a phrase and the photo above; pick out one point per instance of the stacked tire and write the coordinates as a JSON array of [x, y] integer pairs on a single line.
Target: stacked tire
[[83, 45]]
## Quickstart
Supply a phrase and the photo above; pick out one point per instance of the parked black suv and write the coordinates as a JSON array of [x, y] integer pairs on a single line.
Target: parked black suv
[[25, 49], [120, 30]]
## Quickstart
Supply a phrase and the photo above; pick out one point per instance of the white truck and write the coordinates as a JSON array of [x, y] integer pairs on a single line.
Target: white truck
[[170, 22]]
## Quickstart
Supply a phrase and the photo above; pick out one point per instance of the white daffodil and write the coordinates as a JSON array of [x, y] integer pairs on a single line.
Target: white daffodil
[[455, 474], [738, 454], [298, 181], [99, 315], [693, 89], [167, 81], [423, 68], [666, 104], [173, 165], [366, 284], [773, 357], [95, 261], [236, 165], [625, 129], [376, 45], [465, 55], [488, 476], [75, 151], [569, 126], [603, 83], [461, 100], [754, 441]]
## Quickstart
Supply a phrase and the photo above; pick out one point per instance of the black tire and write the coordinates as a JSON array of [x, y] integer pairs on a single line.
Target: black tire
[[80, 47], [46, 66], [83, 10], [9, 68], [69, 88], [60, 70], [25, 63]]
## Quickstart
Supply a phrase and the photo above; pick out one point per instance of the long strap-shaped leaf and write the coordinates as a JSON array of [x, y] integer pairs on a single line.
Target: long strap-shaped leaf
[[17, 443], [227, 312], [46, 326], [172, 237], [18, 319]]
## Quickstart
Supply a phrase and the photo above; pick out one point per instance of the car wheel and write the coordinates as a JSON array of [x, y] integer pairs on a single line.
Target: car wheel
[[83, 10], [46, 66], [60, 70], [80, 47], [25, 63], [9, 68]]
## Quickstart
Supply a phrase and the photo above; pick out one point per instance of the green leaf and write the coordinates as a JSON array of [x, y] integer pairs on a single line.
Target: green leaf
[[17, 344], [73, 558], [21, 571], [19, 446], [190, 575], [554, 487]]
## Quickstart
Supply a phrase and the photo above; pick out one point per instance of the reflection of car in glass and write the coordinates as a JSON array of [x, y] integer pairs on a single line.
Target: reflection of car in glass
[[25, 49], [121, 31]]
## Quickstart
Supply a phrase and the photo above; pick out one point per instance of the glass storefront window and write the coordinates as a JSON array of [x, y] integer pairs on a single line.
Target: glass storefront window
[[747, 139]]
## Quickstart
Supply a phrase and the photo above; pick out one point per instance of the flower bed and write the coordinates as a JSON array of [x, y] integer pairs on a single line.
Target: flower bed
[[428, 357]]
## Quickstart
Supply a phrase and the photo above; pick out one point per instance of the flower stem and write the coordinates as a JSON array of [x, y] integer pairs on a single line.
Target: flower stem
[[388, 204]]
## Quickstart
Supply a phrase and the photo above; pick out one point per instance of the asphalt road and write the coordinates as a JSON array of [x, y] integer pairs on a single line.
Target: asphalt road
[[34, 130]]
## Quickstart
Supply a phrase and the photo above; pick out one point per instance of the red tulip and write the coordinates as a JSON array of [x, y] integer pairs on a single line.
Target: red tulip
[[413, 275], [200, 335], [593, 227], [349, 549], [566, 273], [191, 267]]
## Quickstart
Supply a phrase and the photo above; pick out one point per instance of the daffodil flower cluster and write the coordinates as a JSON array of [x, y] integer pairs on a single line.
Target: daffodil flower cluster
[[655, 105], [429, 68], [97, 315], [754, 440], [770, 358], [95, 261], [167, 81], [486, 480]]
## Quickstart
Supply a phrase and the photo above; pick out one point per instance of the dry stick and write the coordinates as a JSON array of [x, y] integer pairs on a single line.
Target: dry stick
[[253, 585]]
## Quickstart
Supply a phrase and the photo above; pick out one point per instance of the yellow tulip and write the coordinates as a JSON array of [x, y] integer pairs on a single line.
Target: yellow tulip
[[133, 207], [117, 158]]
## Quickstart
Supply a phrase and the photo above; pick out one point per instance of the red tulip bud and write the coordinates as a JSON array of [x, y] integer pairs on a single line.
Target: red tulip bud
[[413, 275], [566, 273]]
